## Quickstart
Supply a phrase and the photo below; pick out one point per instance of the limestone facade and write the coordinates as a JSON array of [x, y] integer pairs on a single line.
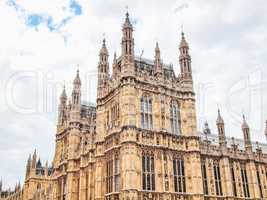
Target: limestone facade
[[141, 141]]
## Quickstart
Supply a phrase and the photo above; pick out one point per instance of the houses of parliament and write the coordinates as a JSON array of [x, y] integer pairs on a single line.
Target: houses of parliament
[[140, 141]]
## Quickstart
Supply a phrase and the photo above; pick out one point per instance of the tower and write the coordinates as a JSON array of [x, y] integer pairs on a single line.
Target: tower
[[221, 130], [103, 71], [185, 60], [127, 46], [157, 61], [246, 134]]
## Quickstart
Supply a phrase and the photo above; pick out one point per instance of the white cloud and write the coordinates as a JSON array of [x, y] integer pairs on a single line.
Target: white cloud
[[227, 45]]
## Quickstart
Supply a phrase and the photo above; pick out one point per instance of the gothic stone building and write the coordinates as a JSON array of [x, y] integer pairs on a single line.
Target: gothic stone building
[[141, 142]]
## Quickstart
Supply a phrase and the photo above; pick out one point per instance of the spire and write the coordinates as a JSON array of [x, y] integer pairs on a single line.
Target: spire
[[246, 134], [28, 166], [114, 66], [104, 50], [19, 186], [185, 59], [244, 124], [77, 80], [103, 70], [219, 118], [63, 96], [221, 130], [76, 92], [127, 43], [103, 58], [34, 158], [127, 23], [158, 64], [62, 108]]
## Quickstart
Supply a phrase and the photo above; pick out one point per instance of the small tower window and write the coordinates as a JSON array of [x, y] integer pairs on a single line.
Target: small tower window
[[146, 113], [148, 172], [175, 118]]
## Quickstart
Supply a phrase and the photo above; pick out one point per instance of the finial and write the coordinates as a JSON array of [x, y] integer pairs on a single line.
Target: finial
[[182, 31], [35, 153], [127, 22], [78, 66], [127, 13], [157, 45], [104, 39]]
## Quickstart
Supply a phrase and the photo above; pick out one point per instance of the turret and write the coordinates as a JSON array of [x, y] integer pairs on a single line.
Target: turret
[[185, 60], [103, 70], [127, 46], [246, 134], [157, 61], [76, 99], [221, 130], [62, 108]]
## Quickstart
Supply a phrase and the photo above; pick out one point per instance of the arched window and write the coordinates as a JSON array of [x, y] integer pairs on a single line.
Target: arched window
[[146, 113], [175, 118]]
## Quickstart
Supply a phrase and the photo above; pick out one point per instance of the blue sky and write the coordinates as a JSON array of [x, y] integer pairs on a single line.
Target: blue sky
[[42, 42], [34, 20]]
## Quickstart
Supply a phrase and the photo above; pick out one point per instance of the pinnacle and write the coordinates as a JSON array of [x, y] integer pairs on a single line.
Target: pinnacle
[[157, 47], [104, 47], [183, 42], [219, 118], [77, 80], [245, 124], [127, 22]]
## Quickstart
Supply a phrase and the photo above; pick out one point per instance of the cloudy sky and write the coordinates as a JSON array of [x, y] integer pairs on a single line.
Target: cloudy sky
[[42, 43]]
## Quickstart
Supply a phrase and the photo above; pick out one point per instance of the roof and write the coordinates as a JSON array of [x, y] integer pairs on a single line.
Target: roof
[[214, 139]]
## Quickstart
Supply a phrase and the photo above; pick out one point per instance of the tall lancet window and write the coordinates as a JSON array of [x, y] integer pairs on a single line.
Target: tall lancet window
[[175, 118], [146, 113], [179, 175], [217, 176], [117, 174], [204, 177], [244, 180]]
